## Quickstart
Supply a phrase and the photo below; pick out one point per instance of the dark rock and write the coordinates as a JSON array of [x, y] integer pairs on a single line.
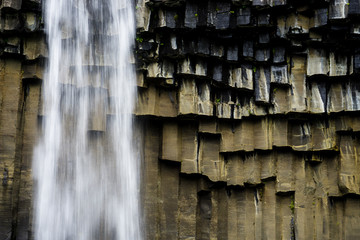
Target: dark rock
[[232, 53], [247, 76], [171, 18], [279, 54], [14, 4], [321, 17], [191, 14], [262, 80], [262, 55], [279, 2], [279, 74], [338, 9], [202, 13], [218, 73], [264, 19], [243, 16], [217, 50], [248, 49], [357, 62], [188, 46], [222, 20], [211, 14], [354, 7], [260, 2], [264, 37], [203, 46], [10, 22]]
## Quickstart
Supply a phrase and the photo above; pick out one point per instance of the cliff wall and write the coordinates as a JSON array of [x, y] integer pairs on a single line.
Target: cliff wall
[[247, 116]]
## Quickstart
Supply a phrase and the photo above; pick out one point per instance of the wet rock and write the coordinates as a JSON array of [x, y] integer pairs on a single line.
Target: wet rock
[[142, 15], [260, 2], [338, 9], [279, 2], [262, 55], [298, 87], [168, 18], [280, 99], [354, 7], [14, 4], [191, 14], [338, 65], [356, 62], [317, 62], [162, 69], [243, 16], [31, 22], [320, 19], [210, 165], [297, 24], [12, 45], [189, 148], [335, 98], [323, 136], [355, 28], [232, 53], [285, 177], [248, 49], [170, 142], [153, 101], [217, 50], [349, 181], [35, 47], [260, 95], [262, 78], [318, 97], [263, 137], [222, 15], [203, 46], [211, 13], [264, 37], [192, 67], [279, 54], [10, 22], [263, 19], [234, 170], [187, 98], [33, 71], [300, 136], [281, 28], [218, 72], [352, 101], [223, 103], [279, 74], [204, 104]]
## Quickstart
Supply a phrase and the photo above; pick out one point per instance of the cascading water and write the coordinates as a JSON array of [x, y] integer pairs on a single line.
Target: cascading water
[[85, 165]]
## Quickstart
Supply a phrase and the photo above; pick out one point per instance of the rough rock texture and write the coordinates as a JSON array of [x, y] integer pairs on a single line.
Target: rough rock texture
[[22, 50], [247, 117], [254, 131]]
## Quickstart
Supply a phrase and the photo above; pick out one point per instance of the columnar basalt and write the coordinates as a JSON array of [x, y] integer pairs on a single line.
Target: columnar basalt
[[254, 112], [248, 114]]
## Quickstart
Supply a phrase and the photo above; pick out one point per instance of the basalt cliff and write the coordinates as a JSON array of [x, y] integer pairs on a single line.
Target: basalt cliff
[[247, 117]]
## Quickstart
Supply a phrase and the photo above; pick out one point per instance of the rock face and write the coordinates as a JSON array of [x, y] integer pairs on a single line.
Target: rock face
[[253, 133], [247, 115]]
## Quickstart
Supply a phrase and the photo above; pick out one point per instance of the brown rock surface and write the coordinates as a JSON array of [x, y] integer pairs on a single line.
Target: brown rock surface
[[247, 111]]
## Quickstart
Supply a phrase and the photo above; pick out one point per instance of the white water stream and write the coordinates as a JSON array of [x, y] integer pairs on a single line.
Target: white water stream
[[85, 166]]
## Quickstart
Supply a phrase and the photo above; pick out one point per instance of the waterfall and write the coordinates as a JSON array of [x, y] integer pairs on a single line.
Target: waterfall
[[86, 169]]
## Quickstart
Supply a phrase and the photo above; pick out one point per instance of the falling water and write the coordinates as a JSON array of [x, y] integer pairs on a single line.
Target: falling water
[[85, 165]]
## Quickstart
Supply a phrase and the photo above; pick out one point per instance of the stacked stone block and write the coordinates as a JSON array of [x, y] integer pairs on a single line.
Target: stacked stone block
[[22, 53], [259, 123], [247, 117]]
